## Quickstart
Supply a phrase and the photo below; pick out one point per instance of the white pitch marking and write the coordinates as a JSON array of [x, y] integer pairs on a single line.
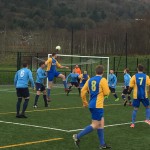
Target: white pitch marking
[[62, 130]]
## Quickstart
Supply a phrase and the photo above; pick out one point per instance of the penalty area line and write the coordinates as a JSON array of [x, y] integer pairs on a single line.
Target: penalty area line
[[30, 143]]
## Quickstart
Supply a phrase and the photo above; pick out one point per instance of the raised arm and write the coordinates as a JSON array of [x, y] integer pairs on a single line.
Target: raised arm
[[60, 66], [68, 78]]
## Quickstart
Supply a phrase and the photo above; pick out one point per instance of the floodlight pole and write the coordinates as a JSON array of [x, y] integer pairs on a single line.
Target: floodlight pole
[[72, 36], [126, 49]]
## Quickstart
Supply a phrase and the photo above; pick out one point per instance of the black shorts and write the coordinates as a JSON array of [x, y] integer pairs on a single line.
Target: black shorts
[[125, 91], [40, 87], [22, 92], [113, 90], [76, 84]]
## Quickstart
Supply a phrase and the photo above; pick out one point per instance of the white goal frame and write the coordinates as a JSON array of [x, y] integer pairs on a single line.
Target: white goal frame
[[95, 57]]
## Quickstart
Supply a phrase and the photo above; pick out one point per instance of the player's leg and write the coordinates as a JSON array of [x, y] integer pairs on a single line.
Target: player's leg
[[147, 106], [26, 101], [71, 85], [38, 92], [114, 94], [124, 96], [44, 97], [18, 105], [129, 97], [136, 104]]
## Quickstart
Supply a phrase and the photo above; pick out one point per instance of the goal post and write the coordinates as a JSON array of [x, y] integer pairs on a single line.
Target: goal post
[[86, 63]]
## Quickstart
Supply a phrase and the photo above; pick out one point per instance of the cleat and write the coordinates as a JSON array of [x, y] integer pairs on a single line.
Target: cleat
[[49, 99], [18, 116], [76, 141], [147, 121], [104, 147], [116, 100], [68, 90], [35, 106], [130, 104], [23, 116], [132, 125], [46, 105], [125, 103]]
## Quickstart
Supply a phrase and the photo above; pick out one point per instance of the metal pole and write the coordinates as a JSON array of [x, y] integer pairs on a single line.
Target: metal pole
[[72, 35], [126, 49]]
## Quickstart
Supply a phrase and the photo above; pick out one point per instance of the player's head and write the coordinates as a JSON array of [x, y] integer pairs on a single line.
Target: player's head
[[25, 65], [76, 66], [126, 70], [111, 71], [99, 70], [74, 71], [140, 68], [42, 64], [85, 72], [54, 55]]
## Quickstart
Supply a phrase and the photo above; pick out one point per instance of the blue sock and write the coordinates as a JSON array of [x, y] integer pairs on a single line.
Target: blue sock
[[134, 116], [48, 92], [147, 113], [25, 105], [87, 130], [65, 84], [115, 95], [18, 105], [100, 133], [123, 97]]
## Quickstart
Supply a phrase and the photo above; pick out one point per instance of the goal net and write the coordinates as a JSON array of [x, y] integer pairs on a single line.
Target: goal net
[[86, 63]]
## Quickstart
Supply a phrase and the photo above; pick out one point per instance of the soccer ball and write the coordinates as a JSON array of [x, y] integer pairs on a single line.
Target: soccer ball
[[58, 48]]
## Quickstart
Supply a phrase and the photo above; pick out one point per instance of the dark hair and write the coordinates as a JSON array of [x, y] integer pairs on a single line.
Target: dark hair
[[41, 63], [127, 70], [140, 68], [53, 54], [24, 64], [99, 69]]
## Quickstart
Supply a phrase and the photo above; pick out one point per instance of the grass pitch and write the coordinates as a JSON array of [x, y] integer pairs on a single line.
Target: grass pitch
[[52, 128]]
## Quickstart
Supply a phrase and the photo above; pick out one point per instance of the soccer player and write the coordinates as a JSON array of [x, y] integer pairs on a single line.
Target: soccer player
[[21, 79], [77, 69], [40, 76], [98, 88], [139, 83], [127, 78], [74, 81], [112, 82], [52, 63], [83, 78]]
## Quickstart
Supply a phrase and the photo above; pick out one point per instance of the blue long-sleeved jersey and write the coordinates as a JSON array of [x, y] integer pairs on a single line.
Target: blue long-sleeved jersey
[[112, 80], [73, 77], [22, 77], [40, 75], [127, 78]]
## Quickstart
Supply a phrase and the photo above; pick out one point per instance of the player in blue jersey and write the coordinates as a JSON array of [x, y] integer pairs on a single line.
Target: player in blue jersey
[[22, 77], [73, 81], [98, 88], [52, 65], [127, 78], [83, 78], [139, 83], [40, 76], [112, 82]]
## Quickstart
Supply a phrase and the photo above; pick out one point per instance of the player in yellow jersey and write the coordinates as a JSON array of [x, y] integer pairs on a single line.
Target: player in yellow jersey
[[139, 83], [52, 64], [97, 87]]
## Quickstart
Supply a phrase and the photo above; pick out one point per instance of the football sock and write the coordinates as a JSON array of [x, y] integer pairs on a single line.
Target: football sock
[[70, 87], [48, 92], [79, 91], [147, 113], [65, 84], [134, 116], [25, 105], [123, 97], [18, 105], [100, 133], [45, 100], [36, 99], [87, 130], [115, 95], [129, 98]]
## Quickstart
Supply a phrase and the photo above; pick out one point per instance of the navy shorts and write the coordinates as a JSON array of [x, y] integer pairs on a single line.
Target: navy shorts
[[125, 91], [136, 102], [40, 87], [51, 75], [76, 84], [81, 85], [113, 90], [22, 92], [97, 113]]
